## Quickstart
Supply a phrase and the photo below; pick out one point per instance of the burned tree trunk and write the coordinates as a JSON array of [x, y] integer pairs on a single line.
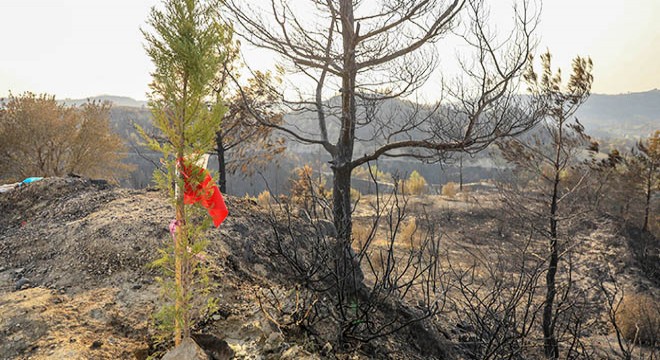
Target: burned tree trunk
[[550, 344], [222, 165]]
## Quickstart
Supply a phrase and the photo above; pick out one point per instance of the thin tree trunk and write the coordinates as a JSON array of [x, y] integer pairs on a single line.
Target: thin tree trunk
[[551, 347], [460, 174], [647, 208], [550, 344], [222, 165], [180, 323], [343, 223], [181, 263]]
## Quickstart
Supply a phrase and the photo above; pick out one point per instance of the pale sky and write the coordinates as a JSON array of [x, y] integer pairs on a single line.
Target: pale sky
[[81, 48]]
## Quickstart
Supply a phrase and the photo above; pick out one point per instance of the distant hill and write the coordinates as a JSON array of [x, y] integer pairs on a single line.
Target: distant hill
[[115, 100], [617, 119], [631, 115], [626, 117]]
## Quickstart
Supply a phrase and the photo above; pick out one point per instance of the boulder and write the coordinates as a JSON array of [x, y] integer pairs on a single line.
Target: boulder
[[187, 350]]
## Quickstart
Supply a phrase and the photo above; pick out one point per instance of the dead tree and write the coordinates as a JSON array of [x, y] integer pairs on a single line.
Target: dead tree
[[395, 291], [242, 143], [383, 50], [495, 300]]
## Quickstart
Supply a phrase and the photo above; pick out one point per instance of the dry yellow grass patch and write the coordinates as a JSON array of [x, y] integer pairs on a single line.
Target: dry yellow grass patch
[[450, 189], [264, 199], [639, 318]]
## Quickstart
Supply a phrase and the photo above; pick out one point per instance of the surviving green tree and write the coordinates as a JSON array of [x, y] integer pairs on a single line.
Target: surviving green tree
[[185, 42]]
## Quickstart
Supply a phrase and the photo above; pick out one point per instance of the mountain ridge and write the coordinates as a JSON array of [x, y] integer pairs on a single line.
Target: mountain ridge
[[629, 115]]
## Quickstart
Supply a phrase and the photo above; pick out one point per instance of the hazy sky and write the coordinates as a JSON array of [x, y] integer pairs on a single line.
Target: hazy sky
[[79, 48]]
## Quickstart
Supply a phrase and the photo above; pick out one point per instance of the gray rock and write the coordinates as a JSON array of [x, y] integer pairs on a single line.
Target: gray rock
[[215, 348], [21, 284], [187, 350]]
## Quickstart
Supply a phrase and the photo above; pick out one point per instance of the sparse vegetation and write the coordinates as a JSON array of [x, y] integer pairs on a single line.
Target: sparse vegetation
[[361, 233], [264, 199], [309, 189], [414, 185], [355, 195], [410, 234], [367, 172]]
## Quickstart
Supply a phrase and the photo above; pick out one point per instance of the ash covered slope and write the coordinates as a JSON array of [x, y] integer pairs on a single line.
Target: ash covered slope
[[74, 233], [79, 253]]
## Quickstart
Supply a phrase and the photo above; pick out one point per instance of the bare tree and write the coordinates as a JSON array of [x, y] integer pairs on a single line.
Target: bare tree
[[372, 51], [397, 290], [242, 143], [495, 299]]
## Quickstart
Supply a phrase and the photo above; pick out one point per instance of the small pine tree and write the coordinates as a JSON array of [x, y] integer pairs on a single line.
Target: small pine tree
[[185, 43], [549, 157]]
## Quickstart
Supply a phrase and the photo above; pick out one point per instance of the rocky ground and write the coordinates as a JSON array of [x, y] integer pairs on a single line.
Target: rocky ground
[[75, 281]]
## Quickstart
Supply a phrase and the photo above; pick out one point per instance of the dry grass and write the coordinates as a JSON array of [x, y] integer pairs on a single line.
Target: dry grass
[[639, 319], [410, 234], [361, 233], [264, 199], [450, 189], [414, 185], [355, 194]]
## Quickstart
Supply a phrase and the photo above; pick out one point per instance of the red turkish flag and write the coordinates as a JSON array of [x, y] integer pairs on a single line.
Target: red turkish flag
[[200, 188]]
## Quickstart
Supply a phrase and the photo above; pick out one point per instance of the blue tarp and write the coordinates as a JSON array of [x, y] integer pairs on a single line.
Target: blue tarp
[[31, 180]]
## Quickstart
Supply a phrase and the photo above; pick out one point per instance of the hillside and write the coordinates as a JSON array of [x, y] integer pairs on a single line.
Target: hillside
[[612, 116], [115, 100], [74, 281], [621, 116]]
